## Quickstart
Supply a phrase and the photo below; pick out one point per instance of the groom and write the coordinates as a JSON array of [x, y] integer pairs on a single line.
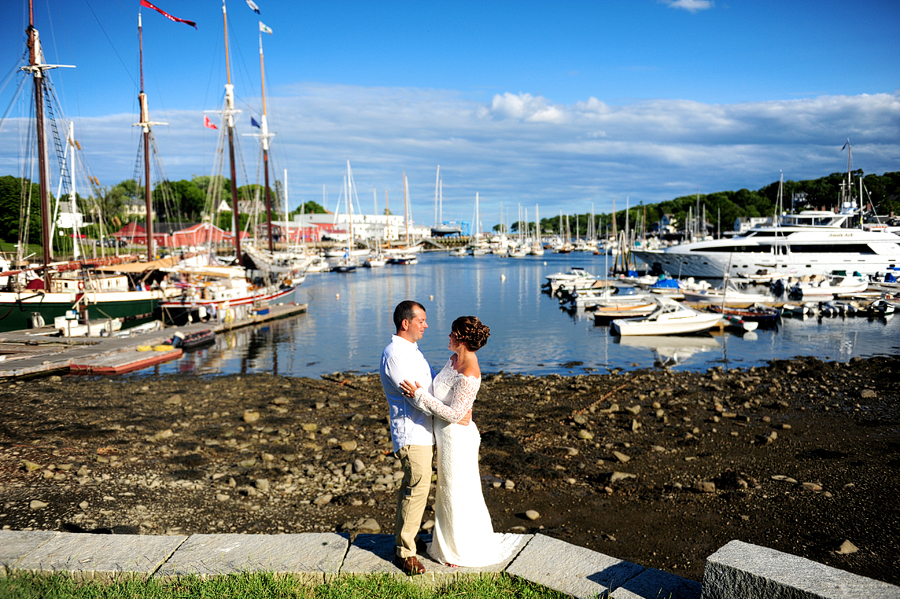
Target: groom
[[411, 428]]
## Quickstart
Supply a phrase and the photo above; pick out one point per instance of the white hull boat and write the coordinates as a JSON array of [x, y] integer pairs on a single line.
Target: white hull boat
[[669, 318], [808, 243]]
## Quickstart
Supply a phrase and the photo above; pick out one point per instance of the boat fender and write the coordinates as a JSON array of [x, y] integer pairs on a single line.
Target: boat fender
[[229, 316], [37, 320]]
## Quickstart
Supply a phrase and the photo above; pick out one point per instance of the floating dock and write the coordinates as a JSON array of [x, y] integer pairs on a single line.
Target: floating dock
[[35, 352]]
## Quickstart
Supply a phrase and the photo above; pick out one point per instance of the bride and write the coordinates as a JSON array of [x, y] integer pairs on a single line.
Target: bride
[[463, 534]]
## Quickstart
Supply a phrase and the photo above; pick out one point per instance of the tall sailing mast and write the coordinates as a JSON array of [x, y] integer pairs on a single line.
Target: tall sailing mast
[[406, 207], [264, 136], [36, 67], [145, 124], [228, 113]]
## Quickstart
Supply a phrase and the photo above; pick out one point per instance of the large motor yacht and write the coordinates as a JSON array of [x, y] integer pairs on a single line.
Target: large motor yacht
[[807, 243]]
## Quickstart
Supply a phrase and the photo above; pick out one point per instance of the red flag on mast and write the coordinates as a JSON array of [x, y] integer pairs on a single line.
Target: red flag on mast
[[208, 123], [147, 4]]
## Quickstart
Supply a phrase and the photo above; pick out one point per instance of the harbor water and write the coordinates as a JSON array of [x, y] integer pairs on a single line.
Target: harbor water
[[349, 322]]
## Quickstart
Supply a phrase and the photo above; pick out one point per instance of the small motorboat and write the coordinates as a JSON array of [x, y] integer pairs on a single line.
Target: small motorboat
[[375, 261], [192, 340], [404, 259], [669, 318], [881, 308]]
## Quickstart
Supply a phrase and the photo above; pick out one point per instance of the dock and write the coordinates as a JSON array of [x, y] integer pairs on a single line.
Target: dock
[[34, 352]]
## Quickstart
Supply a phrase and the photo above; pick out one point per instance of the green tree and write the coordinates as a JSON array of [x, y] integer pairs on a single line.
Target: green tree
[[12, 190], [309, 207], [191, 200]]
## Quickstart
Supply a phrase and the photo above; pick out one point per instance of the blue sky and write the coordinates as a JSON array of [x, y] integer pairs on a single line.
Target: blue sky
[[558, 104]]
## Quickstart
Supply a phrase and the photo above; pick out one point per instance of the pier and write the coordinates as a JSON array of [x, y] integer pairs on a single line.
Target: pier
[[36, 352]]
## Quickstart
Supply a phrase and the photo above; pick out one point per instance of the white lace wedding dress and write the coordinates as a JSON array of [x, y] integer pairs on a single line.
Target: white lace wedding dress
[[463, 533]]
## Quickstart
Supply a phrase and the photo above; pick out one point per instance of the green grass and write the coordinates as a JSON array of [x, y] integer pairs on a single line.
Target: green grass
[[24, 585]]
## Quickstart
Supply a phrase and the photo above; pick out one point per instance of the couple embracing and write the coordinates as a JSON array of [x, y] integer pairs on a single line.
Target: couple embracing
[[428, 409]]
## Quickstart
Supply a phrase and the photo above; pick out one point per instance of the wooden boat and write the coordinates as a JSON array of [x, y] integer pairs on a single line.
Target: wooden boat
[[605, 312], [764, 315], [208, 291], [127, 361]]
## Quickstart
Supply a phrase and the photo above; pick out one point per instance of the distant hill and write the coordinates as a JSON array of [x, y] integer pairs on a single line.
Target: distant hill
[[881, 192]]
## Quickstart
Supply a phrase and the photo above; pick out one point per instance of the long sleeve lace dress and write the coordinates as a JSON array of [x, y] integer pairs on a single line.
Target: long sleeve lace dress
[[463, 533]]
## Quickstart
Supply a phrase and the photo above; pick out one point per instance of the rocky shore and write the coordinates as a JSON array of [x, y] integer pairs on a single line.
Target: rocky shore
[[653, 467]]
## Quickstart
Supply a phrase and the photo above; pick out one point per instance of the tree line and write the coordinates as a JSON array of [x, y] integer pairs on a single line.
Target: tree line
[[187, 201], [182, 202], [880, 192]]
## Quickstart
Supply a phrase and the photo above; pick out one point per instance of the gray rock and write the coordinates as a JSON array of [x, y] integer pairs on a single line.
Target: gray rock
[[532, 514], [36, 504], [617, 476], [323, 499], [621, 456], [362, 526], [704, 486], [358, 466], [847, 548]]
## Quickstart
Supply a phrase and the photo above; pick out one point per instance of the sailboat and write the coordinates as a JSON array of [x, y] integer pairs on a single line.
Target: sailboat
[[348, 262], [378, 259], [73, 290], [480, 247], [441, 228], [407, 253], [228, 292], [289, 264]]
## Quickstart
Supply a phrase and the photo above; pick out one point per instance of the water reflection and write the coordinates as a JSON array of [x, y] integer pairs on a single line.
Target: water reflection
[[349, 322], [670, 350]]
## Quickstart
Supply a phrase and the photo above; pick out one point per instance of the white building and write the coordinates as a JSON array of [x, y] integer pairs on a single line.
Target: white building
[[745, 223], [365, 226]]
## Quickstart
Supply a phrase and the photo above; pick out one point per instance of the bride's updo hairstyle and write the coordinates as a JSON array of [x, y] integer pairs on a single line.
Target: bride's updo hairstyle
[[471, 332]]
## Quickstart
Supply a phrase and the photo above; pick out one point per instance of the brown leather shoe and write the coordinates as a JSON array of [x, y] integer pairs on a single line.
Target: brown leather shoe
[[410, 565]]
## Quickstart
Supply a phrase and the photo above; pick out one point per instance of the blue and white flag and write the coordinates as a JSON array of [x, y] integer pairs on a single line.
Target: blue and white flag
[[253, 6], [264, 28]]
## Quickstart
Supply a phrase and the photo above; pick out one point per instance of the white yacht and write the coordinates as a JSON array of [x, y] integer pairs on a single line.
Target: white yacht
[[810, 242]]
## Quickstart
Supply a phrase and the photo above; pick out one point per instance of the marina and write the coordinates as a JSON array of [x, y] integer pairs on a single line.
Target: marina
[[348, 322]]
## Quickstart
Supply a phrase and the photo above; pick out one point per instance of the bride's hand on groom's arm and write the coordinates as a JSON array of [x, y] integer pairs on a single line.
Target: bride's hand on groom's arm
[[409, 389], [466, 419]]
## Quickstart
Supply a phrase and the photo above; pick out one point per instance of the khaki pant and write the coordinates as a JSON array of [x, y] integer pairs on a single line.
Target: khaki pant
[[413, 496]]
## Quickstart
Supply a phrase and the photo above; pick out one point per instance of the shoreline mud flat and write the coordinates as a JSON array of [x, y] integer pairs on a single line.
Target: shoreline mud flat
[[651, 466]]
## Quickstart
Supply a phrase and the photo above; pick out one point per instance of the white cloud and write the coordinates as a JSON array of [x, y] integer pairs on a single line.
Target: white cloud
[[690, 5], [517, 148], [525, 107]]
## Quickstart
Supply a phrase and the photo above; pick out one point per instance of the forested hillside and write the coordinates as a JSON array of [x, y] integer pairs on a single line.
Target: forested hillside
[[882, 192]]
